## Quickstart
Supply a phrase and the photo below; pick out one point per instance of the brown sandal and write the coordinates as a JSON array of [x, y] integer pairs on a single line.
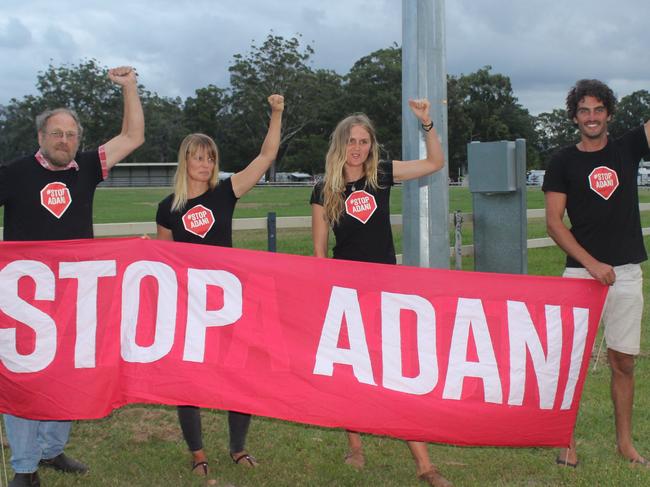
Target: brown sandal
[[639, 462], [245, 459], [202, 468], [433, 478]]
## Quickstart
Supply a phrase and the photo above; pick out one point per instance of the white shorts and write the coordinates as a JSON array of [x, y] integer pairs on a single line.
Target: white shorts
[[623, 308]]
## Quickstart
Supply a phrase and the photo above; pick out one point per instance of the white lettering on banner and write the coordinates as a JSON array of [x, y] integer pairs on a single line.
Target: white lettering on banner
[[524, 338], [165, 311], [344, 304], [470, 323], [16, 308], [391, 341], [470, 315], [199, 317], [580, 329], [87, 273]]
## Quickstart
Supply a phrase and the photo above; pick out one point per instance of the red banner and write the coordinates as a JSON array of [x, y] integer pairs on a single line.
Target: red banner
[[87, 326]]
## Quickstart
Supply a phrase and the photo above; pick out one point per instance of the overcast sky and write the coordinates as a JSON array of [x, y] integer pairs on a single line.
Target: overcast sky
[[179, 46]]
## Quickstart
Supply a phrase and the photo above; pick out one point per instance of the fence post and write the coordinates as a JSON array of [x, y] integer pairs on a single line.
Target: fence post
[[271, 232], [458, 240]]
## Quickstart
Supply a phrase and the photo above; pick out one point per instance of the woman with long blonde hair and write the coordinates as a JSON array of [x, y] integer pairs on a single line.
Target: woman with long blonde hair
[[354, 200], [200, 211]]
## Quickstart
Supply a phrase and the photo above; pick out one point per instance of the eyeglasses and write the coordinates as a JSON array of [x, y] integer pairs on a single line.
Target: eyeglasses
[[57, 134]]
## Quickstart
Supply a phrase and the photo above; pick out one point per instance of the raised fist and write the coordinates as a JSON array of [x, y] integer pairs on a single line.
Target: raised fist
[[420, 109], [276, 102], [123, 75]]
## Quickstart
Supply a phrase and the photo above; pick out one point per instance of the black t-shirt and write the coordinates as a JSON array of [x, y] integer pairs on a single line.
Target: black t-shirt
[[364, 232], [40, 204], [206, 219], [602, 197]]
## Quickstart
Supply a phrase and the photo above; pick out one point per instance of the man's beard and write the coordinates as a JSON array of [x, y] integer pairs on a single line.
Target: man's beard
[[58, 159]]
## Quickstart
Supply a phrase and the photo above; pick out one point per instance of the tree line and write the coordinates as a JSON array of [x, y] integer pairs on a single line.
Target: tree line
[[481, 107]]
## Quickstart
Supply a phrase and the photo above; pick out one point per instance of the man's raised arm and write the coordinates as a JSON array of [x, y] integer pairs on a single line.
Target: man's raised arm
[[132, 135]]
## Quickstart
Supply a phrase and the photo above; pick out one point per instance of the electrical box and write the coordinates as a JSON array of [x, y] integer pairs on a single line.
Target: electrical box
[[492, 167], [497, 180]]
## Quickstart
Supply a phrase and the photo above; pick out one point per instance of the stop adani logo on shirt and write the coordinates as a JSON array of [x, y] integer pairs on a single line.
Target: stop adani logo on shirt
[[198, 220], [360, 205], [56, 199], [603, 181]]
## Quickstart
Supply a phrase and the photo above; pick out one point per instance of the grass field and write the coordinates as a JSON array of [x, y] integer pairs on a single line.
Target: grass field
[[142, 446], [140, 205]]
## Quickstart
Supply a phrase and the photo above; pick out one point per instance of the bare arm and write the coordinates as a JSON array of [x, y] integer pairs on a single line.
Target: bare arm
[[558, 231], [647, 132], [244, 180], [435, 159], [319, 230], [132, 135], [163, 233]]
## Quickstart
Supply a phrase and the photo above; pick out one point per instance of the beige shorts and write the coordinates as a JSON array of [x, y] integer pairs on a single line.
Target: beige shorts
[[623, 308]]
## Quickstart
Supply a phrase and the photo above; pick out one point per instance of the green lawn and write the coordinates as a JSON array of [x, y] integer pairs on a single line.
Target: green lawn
[[140, 204]]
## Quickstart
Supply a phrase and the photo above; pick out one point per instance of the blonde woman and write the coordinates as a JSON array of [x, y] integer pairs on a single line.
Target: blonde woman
[[362, 231], [200, 211]]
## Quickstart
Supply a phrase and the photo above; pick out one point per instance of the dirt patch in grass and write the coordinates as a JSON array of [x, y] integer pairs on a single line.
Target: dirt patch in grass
[[148, 424]]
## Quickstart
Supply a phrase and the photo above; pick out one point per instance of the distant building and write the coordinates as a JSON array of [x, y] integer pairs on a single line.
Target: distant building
[[141, 174], [293, 177]]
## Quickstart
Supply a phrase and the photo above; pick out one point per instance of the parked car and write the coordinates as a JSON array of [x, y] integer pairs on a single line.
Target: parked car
[[643, 179], [535, 177]]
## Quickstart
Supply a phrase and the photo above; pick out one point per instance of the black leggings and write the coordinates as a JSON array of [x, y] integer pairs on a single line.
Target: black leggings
[[190, 419]]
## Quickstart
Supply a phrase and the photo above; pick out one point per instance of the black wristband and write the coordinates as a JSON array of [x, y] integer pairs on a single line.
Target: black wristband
[[427, 127]]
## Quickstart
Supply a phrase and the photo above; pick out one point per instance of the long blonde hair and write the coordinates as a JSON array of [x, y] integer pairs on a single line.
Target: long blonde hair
[[334, 183], [191, 145]]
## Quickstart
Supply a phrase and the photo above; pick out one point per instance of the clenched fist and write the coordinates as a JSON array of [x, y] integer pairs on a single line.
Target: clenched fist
[[276, 102], [123, 75]]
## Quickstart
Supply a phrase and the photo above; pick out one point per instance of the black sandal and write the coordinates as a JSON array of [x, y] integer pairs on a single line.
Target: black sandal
[[203, 472], [249, 461]]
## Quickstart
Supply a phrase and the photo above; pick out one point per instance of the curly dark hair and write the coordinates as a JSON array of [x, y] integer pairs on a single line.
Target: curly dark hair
[[590, 87]]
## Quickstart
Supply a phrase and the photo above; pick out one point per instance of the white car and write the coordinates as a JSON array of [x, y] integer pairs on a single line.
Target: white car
[[535, 177]]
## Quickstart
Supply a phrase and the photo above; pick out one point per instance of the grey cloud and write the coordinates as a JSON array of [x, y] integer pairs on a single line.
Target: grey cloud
[[14, 34], [58, 40], [543, 45]]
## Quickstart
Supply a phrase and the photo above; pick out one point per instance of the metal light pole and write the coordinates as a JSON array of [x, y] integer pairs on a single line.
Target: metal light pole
[[424, 75]]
